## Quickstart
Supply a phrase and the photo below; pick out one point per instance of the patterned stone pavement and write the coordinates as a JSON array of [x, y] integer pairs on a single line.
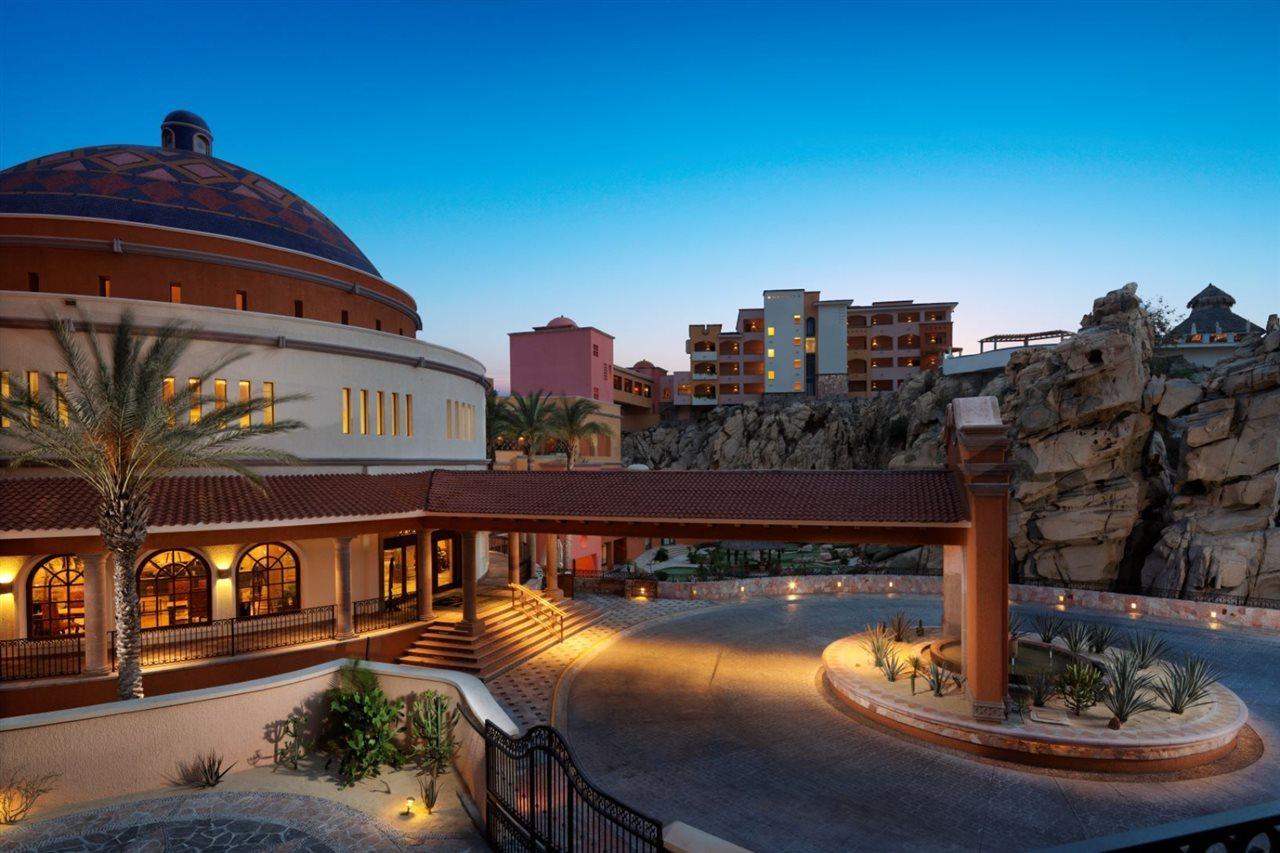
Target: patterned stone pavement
[[216, 821], [525, 691], [718, 718]]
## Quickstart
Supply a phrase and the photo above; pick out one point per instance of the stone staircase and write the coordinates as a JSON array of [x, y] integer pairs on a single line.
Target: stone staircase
[[511, 637]]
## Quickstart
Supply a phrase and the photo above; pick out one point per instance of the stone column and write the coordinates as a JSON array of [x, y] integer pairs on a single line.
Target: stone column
[[426, 576], [343, 617], [513, 558], [551, 588], [953, 591], [467, 565], [97, 615]]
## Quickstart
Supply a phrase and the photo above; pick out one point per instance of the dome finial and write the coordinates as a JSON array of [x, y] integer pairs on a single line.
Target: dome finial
[[183, 130]]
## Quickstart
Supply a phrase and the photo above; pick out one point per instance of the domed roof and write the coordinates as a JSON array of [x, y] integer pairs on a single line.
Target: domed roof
[[642, 364], [561, 322], [175, 188]]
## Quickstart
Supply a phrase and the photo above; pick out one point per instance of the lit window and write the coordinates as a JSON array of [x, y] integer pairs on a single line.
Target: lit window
[[364, 411], [104, 285], [795, 318], [380, 414], [795, 342], [175, 293], [194, 391], [795, 363], [59, 394], [169, 386], [269, 397], [267, 581], [770, 332], [346, 411], [395, 413], [245, 394], [219, 394], [173, 589], [798, 386], [55, 598], [769, 352], [242, 300], [4, 394], [408, 415], [770, 375], [33, 391]]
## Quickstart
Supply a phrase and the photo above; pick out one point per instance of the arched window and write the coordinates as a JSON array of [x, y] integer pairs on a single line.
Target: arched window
[[200, 144], [267, 581], [173, 589], [810, 327], [55, 600]]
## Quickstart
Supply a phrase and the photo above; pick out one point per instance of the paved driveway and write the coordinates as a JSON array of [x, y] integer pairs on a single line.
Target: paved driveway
[[718, 719]]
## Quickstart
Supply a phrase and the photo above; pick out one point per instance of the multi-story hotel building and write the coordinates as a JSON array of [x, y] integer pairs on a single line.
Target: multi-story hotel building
[[799, 343]]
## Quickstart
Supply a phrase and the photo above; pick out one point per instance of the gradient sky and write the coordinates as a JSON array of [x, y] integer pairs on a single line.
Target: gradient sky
[[640, 167]]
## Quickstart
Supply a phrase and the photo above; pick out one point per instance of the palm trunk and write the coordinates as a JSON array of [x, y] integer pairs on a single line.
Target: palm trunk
[[124, 528], [570, 451]]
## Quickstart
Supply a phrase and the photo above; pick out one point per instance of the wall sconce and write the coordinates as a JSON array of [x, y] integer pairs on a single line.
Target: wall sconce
[[223, 574], [1133, 605], [6, 587]]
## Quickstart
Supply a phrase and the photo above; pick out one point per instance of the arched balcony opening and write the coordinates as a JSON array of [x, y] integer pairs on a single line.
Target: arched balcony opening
[[174, 588], [267, 581], [55, 597]]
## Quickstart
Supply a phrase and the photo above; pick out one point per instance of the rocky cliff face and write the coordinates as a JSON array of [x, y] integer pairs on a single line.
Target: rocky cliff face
[[1120, 471]]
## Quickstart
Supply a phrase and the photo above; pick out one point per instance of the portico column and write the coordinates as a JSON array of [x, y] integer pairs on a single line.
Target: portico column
[[551, 588], [97, 615], [343, 618], [953, 591], [426, 576], [513, 558], [470, 621]]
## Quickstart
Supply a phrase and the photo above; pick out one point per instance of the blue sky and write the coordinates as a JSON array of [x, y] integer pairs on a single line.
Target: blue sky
[[643, 166]]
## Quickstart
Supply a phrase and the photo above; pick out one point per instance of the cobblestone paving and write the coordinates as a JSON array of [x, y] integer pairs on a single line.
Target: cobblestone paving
[[718, 719], [215, 821], [525, 692]]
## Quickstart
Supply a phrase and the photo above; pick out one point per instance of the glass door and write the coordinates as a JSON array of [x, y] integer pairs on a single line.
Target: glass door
[[447, 547], [399, 567]]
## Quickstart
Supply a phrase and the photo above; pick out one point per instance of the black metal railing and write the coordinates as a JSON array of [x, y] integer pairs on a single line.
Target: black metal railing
[[539, 800], [374, 614], [1206, 596], [226, 637], [41, 658], [1248, 828]]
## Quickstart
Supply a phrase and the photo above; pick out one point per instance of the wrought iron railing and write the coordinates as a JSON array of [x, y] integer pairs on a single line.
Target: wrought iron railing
[[1207, 596], [1245, 829], [374, 614], [544, 612], [41, 658], [226, 637]]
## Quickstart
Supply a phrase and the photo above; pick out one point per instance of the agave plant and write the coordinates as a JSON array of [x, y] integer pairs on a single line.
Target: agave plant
[[1147, 648], [1076, 635], [1100, 638], [1042, 687], [900, 627], [892, 667], [1016, 627], [937, 678], [1127, 690], [878, 644], [1185, 685], [1048, 626], [204, 771], [1081, 686]]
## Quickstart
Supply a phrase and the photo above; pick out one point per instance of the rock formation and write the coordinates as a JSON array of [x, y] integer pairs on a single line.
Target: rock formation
[[1126, 468]]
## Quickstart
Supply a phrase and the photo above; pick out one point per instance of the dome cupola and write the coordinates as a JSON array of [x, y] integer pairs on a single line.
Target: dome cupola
[[183, 130]]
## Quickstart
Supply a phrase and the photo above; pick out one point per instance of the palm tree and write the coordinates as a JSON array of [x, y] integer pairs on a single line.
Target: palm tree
[[529, 417], [119, 421], [571, 422], [493, 421]]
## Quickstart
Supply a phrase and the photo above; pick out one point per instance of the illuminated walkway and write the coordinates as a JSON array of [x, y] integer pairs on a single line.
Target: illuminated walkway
[[717, 718]]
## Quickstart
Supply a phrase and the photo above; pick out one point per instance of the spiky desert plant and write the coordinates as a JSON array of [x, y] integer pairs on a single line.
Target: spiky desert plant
[[1081, 686], [204, 771], [1147, 648], [1127, 691], [937, 678], [892, 667], [1101, 637], [1076, 635], [1048, 626], [528, 418], [572, 422], [116, 418], [1185, 685], [878, 644], [1016, 627], [900, 627], [1042, 687]]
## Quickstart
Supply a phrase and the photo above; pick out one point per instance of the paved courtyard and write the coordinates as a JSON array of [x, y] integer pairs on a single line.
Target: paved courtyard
[[718, 718]]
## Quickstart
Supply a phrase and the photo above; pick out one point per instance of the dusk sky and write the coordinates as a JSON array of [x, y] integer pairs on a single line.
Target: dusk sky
[[640, 167]]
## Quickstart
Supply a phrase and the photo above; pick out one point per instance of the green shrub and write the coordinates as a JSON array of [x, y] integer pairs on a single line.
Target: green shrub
[[1081, 686], [1185, 685], [291, 744], [1147, 648], [661, 574], [1125, 693], [429, 732], [1048, 626], [362, 725]]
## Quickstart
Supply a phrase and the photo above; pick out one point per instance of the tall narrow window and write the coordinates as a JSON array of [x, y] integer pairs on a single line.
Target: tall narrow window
[[195, 392], [168, 399], [379, 415], [269, 398], [346, 411], [104, 285], [220, 397], [377, 325], [33, 282], [60, 395], [395, 413], [346, 318], [242, 300], [297, 307], [33, 390], [408, 415], [448, 417], [4, 394], [175, 293], [364, 411], [245, 394]]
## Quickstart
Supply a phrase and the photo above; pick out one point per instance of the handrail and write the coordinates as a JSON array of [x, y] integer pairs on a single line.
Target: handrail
[[552, 614]]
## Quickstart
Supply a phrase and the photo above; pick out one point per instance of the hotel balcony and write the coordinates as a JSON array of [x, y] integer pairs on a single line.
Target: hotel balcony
[[704, 394], [703, 355]]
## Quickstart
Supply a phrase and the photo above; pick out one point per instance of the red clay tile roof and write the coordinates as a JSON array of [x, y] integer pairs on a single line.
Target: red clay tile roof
[[871, 497], [67, 503], [928, 496]]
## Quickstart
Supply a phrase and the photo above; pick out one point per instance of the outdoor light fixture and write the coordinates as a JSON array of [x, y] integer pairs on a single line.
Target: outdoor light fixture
[[6, 587], [408, 806], [1213, 614], [890, 584], [793, 584], [742, 589], [1133, 605], [1061, 598]]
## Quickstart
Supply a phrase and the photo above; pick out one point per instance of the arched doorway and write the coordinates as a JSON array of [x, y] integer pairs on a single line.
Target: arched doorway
[[174, 589], [267, 581], [55, 597]]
